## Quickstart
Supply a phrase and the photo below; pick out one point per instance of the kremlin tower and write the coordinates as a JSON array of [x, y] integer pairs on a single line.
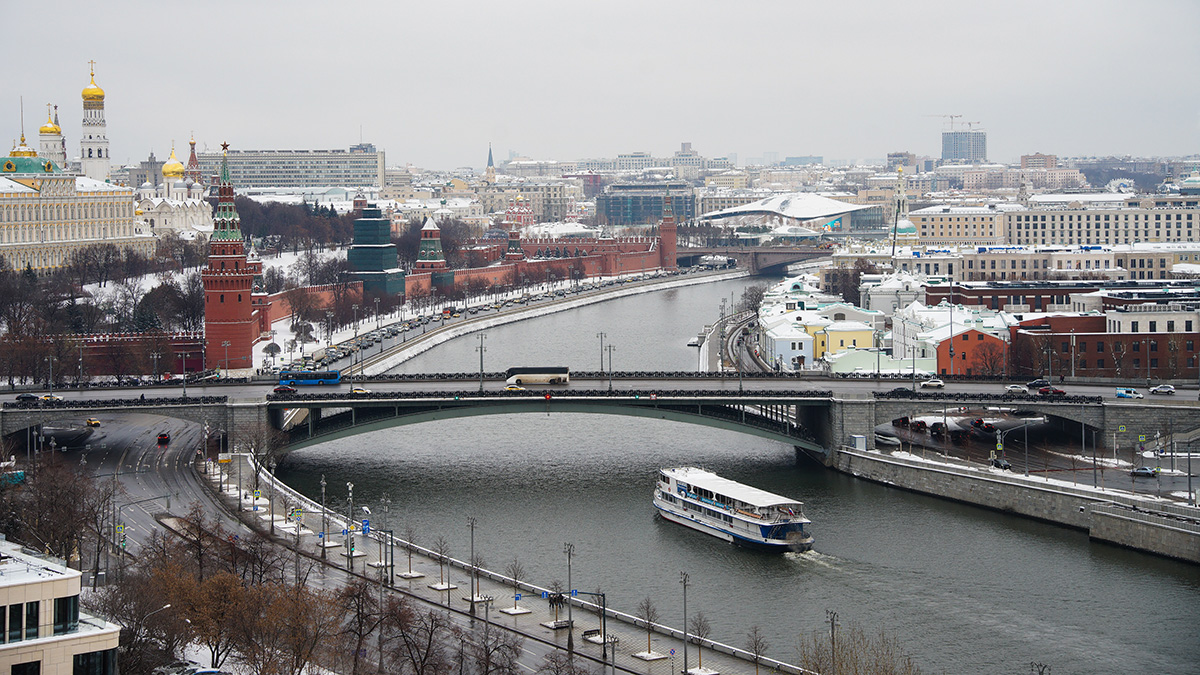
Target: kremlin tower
[[93, 144], [192, 172], [231, 324], [667, 236]]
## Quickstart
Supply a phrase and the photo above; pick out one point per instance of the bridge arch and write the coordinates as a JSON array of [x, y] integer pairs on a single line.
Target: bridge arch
[[774, 422]]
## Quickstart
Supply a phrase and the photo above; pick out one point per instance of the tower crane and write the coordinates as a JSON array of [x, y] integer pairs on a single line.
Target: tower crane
[[949, 117]]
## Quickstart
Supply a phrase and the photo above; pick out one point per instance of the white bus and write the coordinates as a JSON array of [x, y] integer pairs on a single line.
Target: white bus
[[540, 375]]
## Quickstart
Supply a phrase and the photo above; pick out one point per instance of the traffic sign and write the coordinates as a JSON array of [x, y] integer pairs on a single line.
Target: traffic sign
[[1141, 438], [345, 532], [672, 651], [320, 535], [1121, 428], [517, 597], [121, 529], [999, 445], [366, 526], [574, 593], [257, 494]]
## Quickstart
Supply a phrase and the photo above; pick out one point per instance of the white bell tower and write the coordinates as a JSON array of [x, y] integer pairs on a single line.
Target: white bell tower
[[93, 143]]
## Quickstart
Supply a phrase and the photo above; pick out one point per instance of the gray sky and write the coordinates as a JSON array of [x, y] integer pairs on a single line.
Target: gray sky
[[433, 83]]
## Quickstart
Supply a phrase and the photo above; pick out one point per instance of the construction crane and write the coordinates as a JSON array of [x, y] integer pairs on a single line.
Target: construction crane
[[971, 126], [949, 117]]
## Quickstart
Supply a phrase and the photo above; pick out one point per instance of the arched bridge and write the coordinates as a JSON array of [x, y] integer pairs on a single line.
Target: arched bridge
[[796, 417], [778, 408], [758, 259]]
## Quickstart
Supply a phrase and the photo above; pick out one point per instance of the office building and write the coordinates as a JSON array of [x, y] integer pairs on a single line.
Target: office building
[[42, 630], [360, 166]]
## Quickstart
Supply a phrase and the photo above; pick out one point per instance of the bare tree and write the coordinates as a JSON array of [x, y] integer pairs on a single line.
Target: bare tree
[[700, 628], [756, 644], [646, 611], [515, 570]]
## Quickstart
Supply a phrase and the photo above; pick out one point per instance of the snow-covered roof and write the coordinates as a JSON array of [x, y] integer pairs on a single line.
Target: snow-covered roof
[[9, 185], [430, 225], [728, 488], [798, 205]]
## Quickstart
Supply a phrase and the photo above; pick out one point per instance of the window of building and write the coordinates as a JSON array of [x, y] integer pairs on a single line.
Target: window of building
[[1187, 326], [1133, 326], [1153, 346], [66, 615], [30, 668], [1137, 346], [32, 609], [96, 663], [1153, 363], [1153, 326]]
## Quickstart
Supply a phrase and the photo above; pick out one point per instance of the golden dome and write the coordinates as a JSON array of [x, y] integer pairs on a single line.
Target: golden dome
[[92, 92], [22, 150], [50, 127], [173, 168]]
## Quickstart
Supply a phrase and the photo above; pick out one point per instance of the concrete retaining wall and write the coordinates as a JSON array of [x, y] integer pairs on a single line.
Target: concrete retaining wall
[[1165, 529]]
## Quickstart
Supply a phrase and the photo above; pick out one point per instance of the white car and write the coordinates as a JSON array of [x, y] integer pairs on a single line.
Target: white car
[[933, 384], [1016, 389], [1162, 389]]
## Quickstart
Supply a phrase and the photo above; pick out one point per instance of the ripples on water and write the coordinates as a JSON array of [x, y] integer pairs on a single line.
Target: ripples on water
[[965, 590]]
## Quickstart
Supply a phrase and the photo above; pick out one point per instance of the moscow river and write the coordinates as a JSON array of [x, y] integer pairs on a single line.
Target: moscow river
[[965, 590]]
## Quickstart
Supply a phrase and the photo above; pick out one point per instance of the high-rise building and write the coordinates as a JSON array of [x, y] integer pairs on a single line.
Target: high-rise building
[[93, 142], [964, 146]]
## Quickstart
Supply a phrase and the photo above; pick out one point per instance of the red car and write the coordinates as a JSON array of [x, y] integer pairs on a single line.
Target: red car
[[1051, 392]]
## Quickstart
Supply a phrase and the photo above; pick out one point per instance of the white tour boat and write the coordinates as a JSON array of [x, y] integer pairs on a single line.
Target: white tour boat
[[729, 510]]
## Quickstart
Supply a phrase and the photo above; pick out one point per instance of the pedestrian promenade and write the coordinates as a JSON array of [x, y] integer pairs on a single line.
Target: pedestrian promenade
[[521, 605]]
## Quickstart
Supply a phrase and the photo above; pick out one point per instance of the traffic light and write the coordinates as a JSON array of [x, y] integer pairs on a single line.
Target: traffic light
[[122, 540], [547, 397]]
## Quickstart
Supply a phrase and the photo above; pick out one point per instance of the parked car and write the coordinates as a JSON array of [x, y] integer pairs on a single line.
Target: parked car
[[164, 438], [1144, 472], [1038, 383], [933, 384], [284, 389], [1127, 392], [1051, 392], [1001, 463], [1167, 389], [1016, 389], [92, 422]]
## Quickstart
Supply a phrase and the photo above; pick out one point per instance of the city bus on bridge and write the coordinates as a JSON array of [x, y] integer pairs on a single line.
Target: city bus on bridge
[[538, 375], [307, 377]]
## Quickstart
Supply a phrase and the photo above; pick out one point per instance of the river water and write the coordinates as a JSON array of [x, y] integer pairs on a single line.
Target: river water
[[964, 589]]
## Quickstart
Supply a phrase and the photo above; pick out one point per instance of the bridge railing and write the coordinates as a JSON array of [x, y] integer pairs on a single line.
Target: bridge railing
[[908, 394], [71, 404], [648, 395]]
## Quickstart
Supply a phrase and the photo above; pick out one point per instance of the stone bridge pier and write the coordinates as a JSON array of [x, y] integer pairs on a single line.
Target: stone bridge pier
[[1106, 422]]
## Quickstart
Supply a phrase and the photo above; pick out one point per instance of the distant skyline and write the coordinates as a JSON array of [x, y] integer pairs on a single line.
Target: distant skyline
[[433, 84]]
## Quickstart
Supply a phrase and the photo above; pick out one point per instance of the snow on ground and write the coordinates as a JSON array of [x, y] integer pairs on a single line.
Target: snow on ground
[[1034, 480]]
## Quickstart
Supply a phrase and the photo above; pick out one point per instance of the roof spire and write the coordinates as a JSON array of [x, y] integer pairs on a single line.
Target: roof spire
[[490, 163]]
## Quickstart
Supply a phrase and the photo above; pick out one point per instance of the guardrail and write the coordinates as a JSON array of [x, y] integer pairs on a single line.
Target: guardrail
[[69, 404], [636, 394], [378, 539], [908, 394]]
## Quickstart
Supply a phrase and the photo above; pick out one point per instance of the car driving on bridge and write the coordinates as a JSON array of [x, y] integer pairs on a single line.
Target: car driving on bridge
[[1051, 392], [933, 384], [1163, 389]]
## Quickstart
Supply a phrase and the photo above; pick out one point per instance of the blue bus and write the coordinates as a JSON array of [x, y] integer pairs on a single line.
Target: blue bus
[[295, 377]]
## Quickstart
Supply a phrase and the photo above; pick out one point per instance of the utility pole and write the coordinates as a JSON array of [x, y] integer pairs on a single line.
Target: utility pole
[[832, 617]]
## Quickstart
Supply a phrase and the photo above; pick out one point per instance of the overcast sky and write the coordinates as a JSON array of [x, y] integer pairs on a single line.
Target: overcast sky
[[433, 83]]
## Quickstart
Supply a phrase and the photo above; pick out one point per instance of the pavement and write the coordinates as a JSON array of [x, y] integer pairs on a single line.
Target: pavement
[[524, 608]]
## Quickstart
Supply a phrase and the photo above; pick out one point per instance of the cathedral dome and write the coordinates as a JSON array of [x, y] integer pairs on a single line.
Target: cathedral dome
[[173, 168], [92, 92], [50, 127]]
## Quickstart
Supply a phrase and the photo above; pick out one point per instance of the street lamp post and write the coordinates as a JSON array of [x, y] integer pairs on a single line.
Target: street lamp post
[[50, 360], [355, 361], [601, 336], [271, 466], [684, 578], [324, 519], [1025, 427], [350, 525], [481, 349], [328, 328], [474, 568], [154, 356], [610, 349], [225, 344]]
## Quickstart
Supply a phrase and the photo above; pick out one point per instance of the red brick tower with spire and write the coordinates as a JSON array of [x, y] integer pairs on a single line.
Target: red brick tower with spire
[[668, 236], [229, 315], [192, 171]]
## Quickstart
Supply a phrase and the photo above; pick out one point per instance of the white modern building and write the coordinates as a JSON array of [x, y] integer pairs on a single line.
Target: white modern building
[[42, 630]]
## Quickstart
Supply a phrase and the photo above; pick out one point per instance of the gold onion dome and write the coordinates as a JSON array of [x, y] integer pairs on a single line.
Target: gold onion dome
[[49, 127], [173, 168], [92, 92]]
